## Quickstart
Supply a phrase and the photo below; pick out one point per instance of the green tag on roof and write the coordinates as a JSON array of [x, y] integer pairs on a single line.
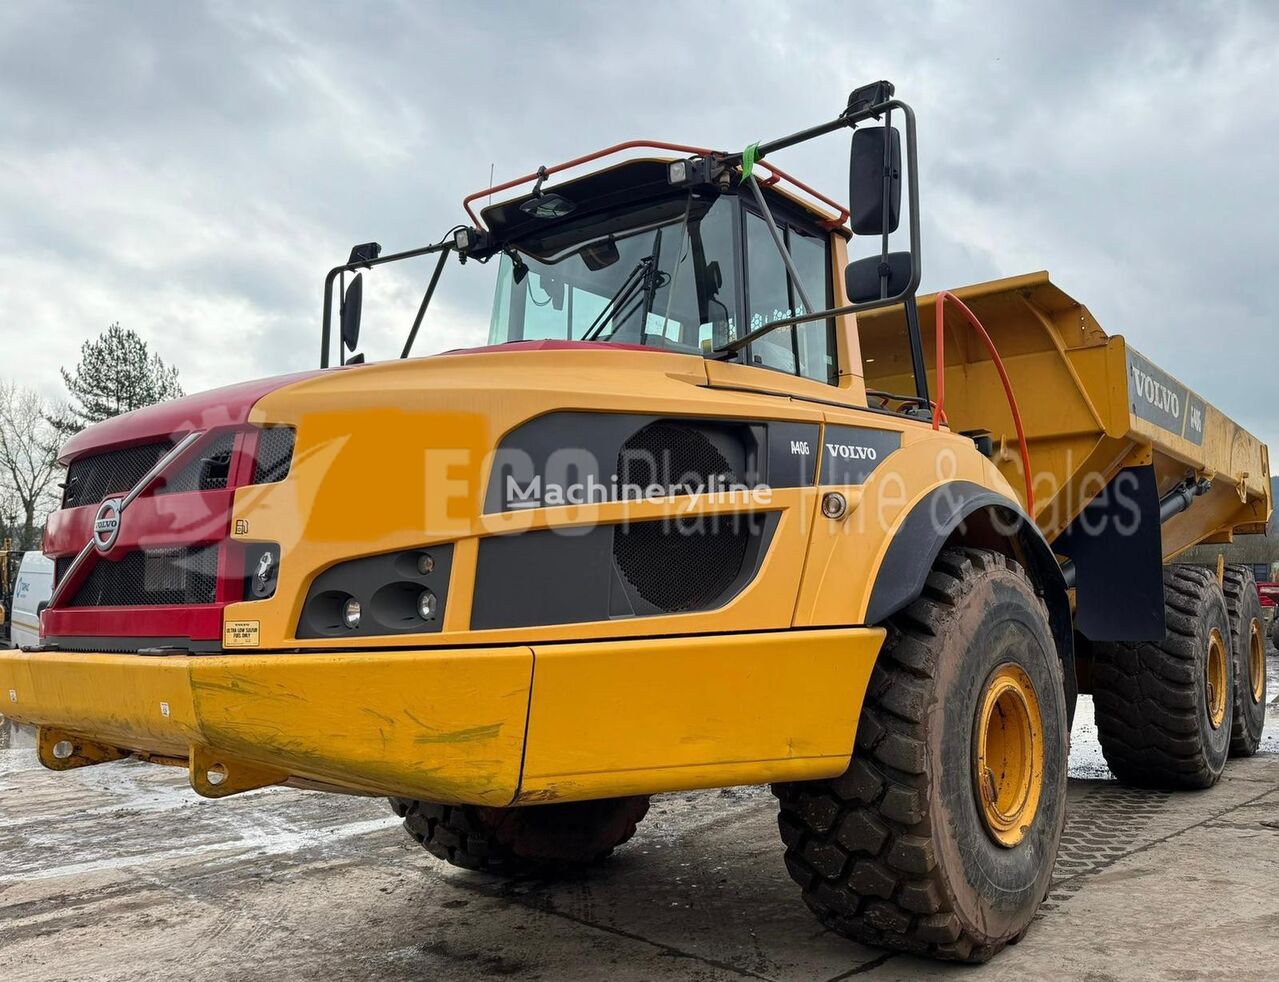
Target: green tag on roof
[[748, 160]]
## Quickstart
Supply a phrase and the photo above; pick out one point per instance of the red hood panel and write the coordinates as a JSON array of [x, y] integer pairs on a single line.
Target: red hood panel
[[227, 406]]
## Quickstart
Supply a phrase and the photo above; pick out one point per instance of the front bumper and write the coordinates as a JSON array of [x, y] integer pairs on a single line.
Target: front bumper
[[494, 726]]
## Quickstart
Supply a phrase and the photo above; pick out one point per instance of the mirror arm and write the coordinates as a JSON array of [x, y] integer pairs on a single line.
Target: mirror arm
[[426, 302], [725, 351], [846, 121], [326, 316]]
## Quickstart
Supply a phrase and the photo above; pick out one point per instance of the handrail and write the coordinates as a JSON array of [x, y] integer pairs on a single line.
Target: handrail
[[1003, 375], [777, 174]]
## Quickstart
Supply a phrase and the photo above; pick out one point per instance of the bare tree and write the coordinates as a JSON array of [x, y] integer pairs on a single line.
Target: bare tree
[[9, 509], [28, 451]]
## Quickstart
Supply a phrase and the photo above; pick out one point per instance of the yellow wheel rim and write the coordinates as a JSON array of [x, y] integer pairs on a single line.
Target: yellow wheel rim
[[1010, 755], [1215, 679], [1256, 660]]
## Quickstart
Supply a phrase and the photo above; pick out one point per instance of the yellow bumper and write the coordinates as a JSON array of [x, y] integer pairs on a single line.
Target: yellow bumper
[[491, 726]]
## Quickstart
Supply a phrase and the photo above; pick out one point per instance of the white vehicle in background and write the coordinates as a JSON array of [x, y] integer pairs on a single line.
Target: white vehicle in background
[[31, 592]]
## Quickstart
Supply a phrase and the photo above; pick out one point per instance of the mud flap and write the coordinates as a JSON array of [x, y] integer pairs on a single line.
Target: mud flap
[[1117, 549]]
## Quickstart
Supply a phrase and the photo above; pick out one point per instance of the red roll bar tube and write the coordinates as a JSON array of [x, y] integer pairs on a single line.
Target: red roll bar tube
[[942, 298]]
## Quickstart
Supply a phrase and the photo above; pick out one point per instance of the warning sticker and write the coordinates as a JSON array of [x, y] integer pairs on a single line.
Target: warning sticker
[[240, 634]]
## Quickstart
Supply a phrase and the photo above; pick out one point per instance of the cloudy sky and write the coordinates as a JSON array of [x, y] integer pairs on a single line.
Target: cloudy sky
[[191, 170]]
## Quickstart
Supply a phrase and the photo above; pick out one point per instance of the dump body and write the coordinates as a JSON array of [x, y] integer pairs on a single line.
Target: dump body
[[1091, 406]]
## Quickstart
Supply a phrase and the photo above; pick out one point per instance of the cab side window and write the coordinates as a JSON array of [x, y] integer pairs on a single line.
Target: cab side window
[[807, 350]]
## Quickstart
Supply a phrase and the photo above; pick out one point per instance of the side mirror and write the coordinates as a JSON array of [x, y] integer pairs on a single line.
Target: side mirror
[[352, 302], [714, 278], [875, 149], [863, 277]]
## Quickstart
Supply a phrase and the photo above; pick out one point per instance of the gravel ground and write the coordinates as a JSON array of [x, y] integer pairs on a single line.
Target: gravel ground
[[120, 872]]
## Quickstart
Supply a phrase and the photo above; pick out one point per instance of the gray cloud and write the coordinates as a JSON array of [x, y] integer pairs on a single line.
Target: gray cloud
[[192, 170]]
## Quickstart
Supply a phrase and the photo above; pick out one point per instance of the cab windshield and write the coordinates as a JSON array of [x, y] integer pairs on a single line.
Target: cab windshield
[[660, 275]]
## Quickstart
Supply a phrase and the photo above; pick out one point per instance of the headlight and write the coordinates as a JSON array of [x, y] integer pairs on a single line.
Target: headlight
[[401, 592]]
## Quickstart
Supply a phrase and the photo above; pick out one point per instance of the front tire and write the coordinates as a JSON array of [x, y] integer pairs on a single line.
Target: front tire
[[940, 838], [536, 840]]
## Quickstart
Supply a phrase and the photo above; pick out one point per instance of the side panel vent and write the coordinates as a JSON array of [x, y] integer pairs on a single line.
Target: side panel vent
[[275, 454], [678, 566], [673, 455]]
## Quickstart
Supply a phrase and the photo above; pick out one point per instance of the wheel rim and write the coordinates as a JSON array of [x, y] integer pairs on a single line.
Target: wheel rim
[[1256, 660], [1215, 679], [1010, 755]]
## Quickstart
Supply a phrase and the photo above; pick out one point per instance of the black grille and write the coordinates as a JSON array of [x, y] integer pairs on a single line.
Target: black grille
[[90, 479], [671, 455], [682, 565], [679, 564], [207, 469], [60, 567], [275, 454], [152, 577]]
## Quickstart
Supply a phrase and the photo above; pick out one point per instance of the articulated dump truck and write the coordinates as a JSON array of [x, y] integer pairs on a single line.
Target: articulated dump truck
[[716, 505]]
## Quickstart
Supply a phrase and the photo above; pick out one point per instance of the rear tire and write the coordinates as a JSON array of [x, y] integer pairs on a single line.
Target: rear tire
[[1163, 708], [1248, 642], [902, 851], [536, 840]]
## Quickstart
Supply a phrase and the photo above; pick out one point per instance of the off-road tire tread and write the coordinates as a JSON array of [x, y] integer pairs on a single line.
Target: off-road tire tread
[[859, 845], [459, 835], [1240, 589], [1145, 693]]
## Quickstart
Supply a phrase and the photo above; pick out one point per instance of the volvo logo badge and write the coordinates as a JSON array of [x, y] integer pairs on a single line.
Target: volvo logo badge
[[106, 524]]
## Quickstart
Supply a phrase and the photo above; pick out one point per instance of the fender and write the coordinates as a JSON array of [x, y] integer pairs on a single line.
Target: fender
[[972, 511]]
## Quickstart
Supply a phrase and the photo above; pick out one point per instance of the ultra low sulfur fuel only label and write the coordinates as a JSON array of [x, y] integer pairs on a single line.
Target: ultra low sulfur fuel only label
[[1158, 398]]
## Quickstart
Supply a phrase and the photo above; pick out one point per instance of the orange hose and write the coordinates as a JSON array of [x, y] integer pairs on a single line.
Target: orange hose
[[1003, 375]]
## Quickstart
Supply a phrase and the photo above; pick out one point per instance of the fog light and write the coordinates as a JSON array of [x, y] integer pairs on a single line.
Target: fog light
[[351, 613], [425, 563], [427, 605], [834, 505], [677, 173]]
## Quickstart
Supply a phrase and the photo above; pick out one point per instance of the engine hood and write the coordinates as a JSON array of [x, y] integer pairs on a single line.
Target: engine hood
[[229, 405]]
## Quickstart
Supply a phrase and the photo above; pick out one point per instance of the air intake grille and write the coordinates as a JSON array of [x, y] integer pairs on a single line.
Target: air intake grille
[[671, 455], [207, 469], [152, 577], [678, 566], [275, 454], [674, 564], [90, 479]]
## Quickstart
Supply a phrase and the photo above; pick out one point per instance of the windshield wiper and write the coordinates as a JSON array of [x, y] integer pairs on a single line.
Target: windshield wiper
[[637, 279]]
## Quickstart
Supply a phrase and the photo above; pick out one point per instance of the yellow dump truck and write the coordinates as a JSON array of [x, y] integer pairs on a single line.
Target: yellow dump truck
[[715, 506]]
